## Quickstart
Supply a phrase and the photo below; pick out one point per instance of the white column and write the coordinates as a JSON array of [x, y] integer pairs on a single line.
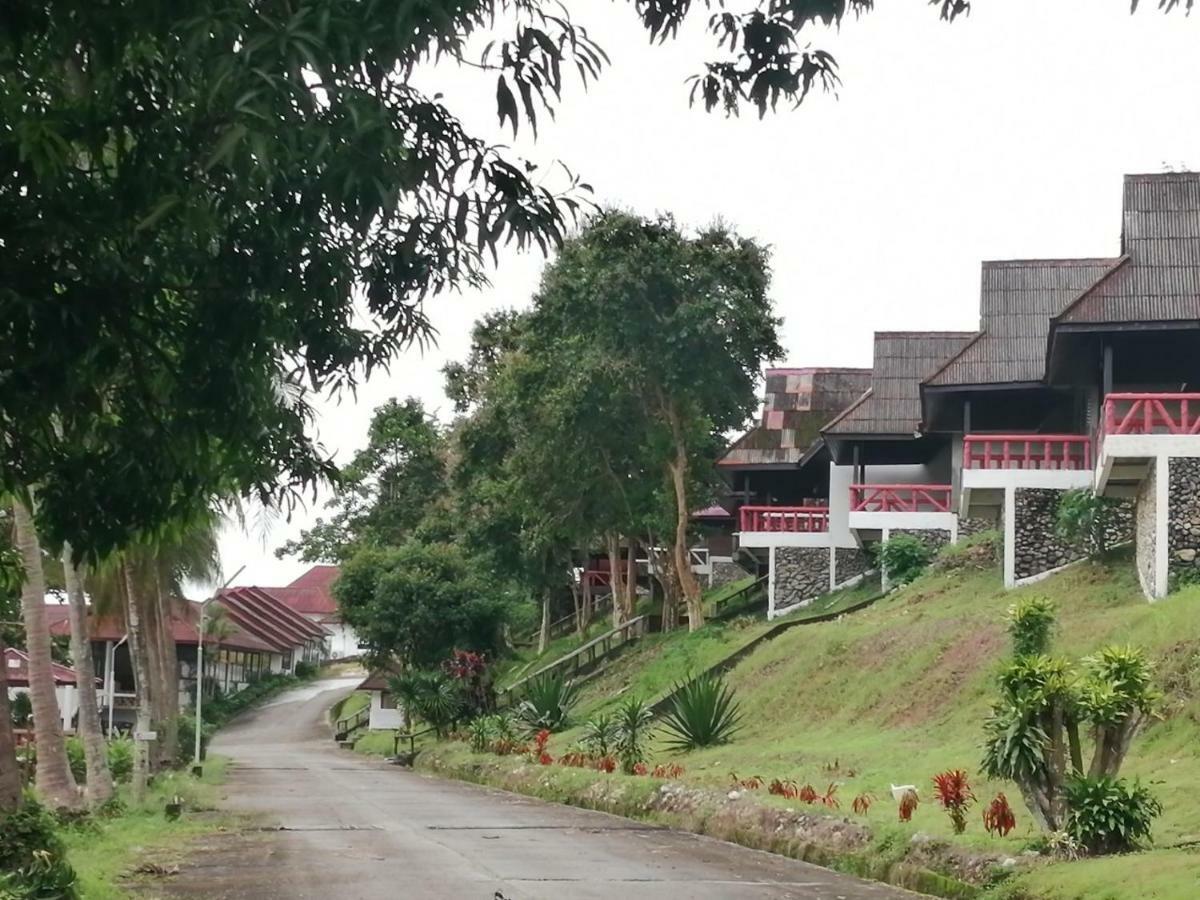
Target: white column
[[1010, 537], [1162, 525], [884, 583], [771, 583]]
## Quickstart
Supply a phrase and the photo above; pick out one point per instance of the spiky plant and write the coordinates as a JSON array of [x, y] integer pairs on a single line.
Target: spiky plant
[[704, 712], [547, 702], [633, 731]]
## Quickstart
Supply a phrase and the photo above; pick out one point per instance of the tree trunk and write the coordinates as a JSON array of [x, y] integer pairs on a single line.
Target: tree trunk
[[683, 569], [54, 781], [671, 591], [10, 775], [99, 780], [168, 745], [1076, 747], [544, 631], [141, 684], [616, 579], [629, 598]]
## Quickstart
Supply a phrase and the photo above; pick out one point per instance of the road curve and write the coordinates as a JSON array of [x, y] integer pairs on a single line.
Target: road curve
[[345, 826]]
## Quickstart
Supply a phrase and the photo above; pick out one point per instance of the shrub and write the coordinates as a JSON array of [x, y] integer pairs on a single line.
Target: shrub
[[431, 695], [633, 726], [76, 759], [600, 734], [862, 803], [668, 770], [306, 669], [1085, 518], [1109, 815], [977, 552], [953, 792], [187, 743], [904, 557], [470, 671], [481, 732], [998, 817], [20, 708], [547, 702], [1031, 625], [703, 712], [33, 862], [908, 805]]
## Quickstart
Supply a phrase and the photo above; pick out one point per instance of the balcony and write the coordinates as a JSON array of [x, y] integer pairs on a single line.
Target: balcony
[[783, 526], [881, 507], [994, 462], [1138, 428]]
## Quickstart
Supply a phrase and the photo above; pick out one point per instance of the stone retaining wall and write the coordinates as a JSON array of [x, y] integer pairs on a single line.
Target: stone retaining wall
[[1038, 546], [849, 562], [968, 527], [1183, 522], [933, 538], [1145, 531], [801, 574], [724, 573]]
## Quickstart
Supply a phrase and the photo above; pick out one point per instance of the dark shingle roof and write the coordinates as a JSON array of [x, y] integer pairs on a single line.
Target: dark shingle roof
[[902, 360], [797, 403], [1160, 235], [1018, 298]]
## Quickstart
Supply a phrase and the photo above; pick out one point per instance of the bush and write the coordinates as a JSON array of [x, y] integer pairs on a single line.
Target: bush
[[703, 712], [186, 751], [1085, 518], [1030, 625], [1108, 815], [600, 735], [33, 862], [904, 557], [120, 757], [954, 793], [432, 695], [306, 670], [547, 702], [481, 732], [21, 709], [633, 725], [977, 552]]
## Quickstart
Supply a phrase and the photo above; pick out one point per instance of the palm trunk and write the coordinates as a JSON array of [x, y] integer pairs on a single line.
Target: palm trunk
[[141, 684], [99, 786], [168, 745], [10, 775], [54, 781]]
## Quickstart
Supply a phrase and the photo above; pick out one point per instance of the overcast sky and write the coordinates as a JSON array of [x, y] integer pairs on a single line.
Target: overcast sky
[[1004, 135]]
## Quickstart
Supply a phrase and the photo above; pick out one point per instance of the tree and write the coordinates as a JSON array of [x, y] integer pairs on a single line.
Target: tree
[[683, 326], [1033, 736], [418, 603], [54, 780], [99, 787], [1087, 519], [385, 491], [12, 576]]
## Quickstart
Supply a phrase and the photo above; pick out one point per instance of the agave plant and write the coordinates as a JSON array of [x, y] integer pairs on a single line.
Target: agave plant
[[600, 734], [633, 730], [547, 703], [703, 712]]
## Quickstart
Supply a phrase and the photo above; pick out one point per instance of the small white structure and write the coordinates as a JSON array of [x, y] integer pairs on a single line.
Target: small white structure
[[16, 663], [385, 714]]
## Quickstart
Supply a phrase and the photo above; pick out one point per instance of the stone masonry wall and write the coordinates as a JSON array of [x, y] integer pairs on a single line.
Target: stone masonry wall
[[724, 573], [1038, 546], [801, 574], [968, 527], [1145, 535], [1183, 523], [849, 562], [933, 538]]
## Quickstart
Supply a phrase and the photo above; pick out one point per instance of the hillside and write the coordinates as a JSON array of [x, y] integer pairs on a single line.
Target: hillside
[[898, 692]]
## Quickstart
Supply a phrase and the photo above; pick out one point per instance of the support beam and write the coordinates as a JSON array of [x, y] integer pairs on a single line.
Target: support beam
[[1010, 537], [1162, 525]]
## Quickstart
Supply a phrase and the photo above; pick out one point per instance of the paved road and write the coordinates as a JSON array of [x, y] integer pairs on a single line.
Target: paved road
[[361, 829]]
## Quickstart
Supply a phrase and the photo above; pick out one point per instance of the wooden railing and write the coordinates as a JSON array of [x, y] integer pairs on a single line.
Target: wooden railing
[[790, 519], [749, 597], [1152, 414], [1027, 451], [900, 497], [587, 655], [347, 725]]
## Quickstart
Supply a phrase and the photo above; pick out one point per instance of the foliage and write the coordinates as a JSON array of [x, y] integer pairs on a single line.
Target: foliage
[[547, 701], [976, 552], [33, 862], [1109, 815], [481, 731], [998, 817], [1086, 518], [1030, 625], [220, 708], [668, 770], [306, 670], [704, 712], [432, 695], [474, 678], [419, 602], [862, 803], [601, 734], [953, 792], [904, 557], [908, 805], [21, 710], [634, 718]]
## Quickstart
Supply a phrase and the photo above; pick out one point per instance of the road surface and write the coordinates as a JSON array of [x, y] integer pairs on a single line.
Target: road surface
[[338, 825]]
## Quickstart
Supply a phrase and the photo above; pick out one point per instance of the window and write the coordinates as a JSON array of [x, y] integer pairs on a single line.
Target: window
[[387, 700]]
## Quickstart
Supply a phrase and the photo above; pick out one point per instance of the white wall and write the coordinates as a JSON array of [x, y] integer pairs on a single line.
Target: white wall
[[840, 479], [68, 701], [383, 719]]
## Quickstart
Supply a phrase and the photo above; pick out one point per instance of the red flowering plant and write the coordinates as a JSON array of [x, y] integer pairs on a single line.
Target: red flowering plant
[[953, 792], [998, 817], [470, 671], [862, 803], [908, 805]]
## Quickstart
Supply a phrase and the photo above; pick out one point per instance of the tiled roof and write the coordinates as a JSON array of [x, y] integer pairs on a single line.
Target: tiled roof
[[797, 403], [1018, 298], [16, 669], [258, 612], [1160, 235], [184, 629], [311, 594], [902, 360]]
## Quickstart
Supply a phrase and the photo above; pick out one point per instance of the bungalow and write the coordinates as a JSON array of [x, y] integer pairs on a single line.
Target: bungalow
[[16, 665], [311, 595], [385, 714]]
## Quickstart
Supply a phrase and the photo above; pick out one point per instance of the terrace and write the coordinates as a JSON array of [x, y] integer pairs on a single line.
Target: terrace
[[1138, 428], [783, 526], [881, 507], [993, 462]]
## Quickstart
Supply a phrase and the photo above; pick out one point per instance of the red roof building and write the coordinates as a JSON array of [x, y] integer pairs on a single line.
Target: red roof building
[[311, 594], [16, 669]]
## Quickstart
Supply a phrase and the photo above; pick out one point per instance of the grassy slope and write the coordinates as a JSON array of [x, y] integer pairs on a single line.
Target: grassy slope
[[897, 693], [103, 854]]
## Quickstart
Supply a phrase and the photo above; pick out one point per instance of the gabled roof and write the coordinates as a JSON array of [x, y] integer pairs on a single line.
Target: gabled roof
[[1018, 298], [797, 402], [1160, 235], [312, 593], [903, 359], [184, 630], [258, 612], [16, 669]]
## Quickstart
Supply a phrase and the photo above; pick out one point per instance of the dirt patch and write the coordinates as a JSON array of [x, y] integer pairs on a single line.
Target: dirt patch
[[957, 664]]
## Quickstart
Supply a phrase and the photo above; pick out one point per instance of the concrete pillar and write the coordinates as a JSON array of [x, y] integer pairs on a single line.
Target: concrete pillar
[[771, 583], [884, 583], [1010, 537], [1162, 525], [832, 568]]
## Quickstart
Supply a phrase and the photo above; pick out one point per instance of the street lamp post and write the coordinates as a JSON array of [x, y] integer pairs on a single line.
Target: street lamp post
[[197, 767]]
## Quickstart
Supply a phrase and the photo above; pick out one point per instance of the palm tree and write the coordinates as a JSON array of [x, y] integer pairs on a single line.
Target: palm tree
[[54, 780], [99, 779]]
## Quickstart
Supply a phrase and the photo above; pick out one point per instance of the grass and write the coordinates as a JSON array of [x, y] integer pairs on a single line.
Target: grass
[[898, 692], [104, 852], [349, 705]]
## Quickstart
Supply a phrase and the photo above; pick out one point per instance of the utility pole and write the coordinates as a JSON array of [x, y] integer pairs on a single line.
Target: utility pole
[[197, 767]]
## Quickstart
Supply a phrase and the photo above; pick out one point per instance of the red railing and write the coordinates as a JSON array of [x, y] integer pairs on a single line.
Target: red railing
[[792, 519], [900, 497], [1027, 451], [1152, 414]]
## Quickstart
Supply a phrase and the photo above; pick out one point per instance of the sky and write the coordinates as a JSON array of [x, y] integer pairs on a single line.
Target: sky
[[1004, 135]]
